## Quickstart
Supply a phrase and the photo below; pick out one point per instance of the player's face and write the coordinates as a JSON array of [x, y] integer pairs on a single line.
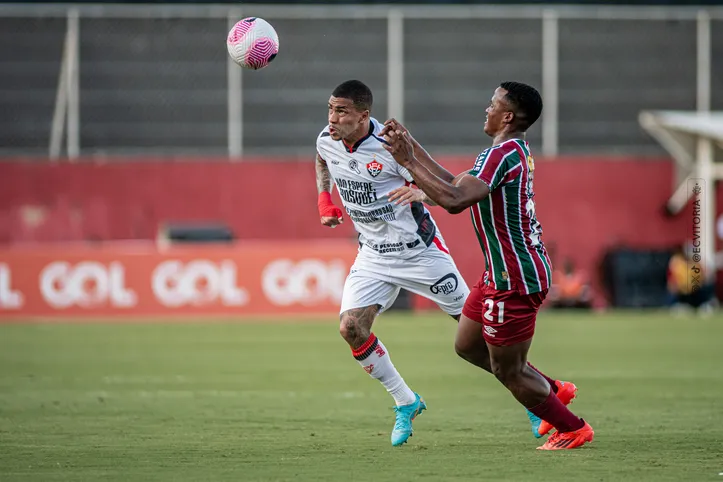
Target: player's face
[[499, 113], [344, 118]]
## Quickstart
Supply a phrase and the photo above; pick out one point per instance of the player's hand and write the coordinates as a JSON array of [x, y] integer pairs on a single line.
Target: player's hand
[[394, 125], [330, 215], [400, 146], [407, 194], [332, 221]]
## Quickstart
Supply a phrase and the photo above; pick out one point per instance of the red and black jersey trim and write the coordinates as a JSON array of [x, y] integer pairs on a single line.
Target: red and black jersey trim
[[360, 141]]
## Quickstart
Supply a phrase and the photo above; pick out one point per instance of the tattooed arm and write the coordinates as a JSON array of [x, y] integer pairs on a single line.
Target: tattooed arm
[[330, 215], [323, 177]]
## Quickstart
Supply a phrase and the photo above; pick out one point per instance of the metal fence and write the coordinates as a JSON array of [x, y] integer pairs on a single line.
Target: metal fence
[[116, 80]]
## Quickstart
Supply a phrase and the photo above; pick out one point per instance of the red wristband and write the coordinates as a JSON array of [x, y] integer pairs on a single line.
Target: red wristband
[[327, 208], [324, 199]]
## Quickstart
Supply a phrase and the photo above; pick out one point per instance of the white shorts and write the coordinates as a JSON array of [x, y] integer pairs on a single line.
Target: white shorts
[[376, 280]]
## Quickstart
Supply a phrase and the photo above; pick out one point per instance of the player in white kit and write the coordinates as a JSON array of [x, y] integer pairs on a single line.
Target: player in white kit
[[399, 243]]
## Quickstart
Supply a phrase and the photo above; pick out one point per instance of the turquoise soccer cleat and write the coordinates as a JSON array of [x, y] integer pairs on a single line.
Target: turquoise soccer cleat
[[535, 421], [403, 424]]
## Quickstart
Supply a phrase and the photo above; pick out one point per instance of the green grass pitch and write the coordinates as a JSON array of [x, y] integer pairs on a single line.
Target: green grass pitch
[[275, 400]]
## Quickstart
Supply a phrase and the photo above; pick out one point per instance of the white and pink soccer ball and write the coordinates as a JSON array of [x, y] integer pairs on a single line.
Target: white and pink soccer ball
[[253, 43]]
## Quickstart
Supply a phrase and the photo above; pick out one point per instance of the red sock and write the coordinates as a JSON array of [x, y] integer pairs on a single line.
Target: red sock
[[552, 383], [556, 414]]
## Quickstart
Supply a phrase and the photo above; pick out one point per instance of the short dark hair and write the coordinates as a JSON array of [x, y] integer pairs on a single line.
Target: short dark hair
[[526, 99], [357, 92]]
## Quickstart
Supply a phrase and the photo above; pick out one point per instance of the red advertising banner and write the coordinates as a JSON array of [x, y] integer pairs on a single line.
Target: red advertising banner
[[139, 279]]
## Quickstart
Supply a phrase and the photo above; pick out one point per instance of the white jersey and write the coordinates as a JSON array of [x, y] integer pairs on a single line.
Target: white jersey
[[364, 175]]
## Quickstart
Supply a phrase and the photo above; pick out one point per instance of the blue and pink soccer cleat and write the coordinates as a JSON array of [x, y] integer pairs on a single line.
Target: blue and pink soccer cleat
[[403, 424]]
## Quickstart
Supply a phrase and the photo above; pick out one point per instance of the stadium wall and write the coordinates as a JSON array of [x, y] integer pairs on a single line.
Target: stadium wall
[[586, 206], [141, 279]]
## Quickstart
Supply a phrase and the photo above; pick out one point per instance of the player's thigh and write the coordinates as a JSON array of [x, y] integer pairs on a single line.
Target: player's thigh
[[507, 317], [469, 329], [434, 275], [506, 340], [363, 289], [469, 338]]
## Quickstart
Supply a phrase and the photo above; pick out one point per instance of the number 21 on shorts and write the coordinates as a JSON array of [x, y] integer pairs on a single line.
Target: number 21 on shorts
[[490, 308]]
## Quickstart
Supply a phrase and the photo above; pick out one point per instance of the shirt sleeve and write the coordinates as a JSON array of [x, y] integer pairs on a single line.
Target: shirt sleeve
[[405, 174], [497, 166]]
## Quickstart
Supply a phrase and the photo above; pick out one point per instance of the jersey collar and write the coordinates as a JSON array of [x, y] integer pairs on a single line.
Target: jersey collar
[[359, 142]]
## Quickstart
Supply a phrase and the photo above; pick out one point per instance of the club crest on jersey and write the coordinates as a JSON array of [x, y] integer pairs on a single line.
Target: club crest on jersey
[[354, 166], [374, 168]]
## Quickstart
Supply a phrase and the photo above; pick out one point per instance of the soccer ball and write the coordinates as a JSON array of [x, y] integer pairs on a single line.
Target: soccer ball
[[253, 43]]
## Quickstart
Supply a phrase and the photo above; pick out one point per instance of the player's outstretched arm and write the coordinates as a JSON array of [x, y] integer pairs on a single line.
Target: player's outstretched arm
[[455, 196], [330, 215], [407, 194], [419, 152]]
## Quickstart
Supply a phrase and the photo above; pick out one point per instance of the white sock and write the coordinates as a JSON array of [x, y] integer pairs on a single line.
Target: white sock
[[374, 358]]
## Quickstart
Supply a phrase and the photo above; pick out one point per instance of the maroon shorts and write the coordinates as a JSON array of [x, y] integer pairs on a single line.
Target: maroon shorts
[[508, 317]]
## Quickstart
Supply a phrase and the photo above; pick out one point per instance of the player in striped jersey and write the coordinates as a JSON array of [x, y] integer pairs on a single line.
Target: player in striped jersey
[[498, 322]]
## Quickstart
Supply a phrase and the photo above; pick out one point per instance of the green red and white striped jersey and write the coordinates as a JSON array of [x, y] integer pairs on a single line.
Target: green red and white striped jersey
[[505, 221]]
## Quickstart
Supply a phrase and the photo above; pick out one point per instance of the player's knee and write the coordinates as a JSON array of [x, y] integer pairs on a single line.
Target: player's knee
[[463, 348], [353, 329], [507, 373], [355, 325], [348, 329]]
